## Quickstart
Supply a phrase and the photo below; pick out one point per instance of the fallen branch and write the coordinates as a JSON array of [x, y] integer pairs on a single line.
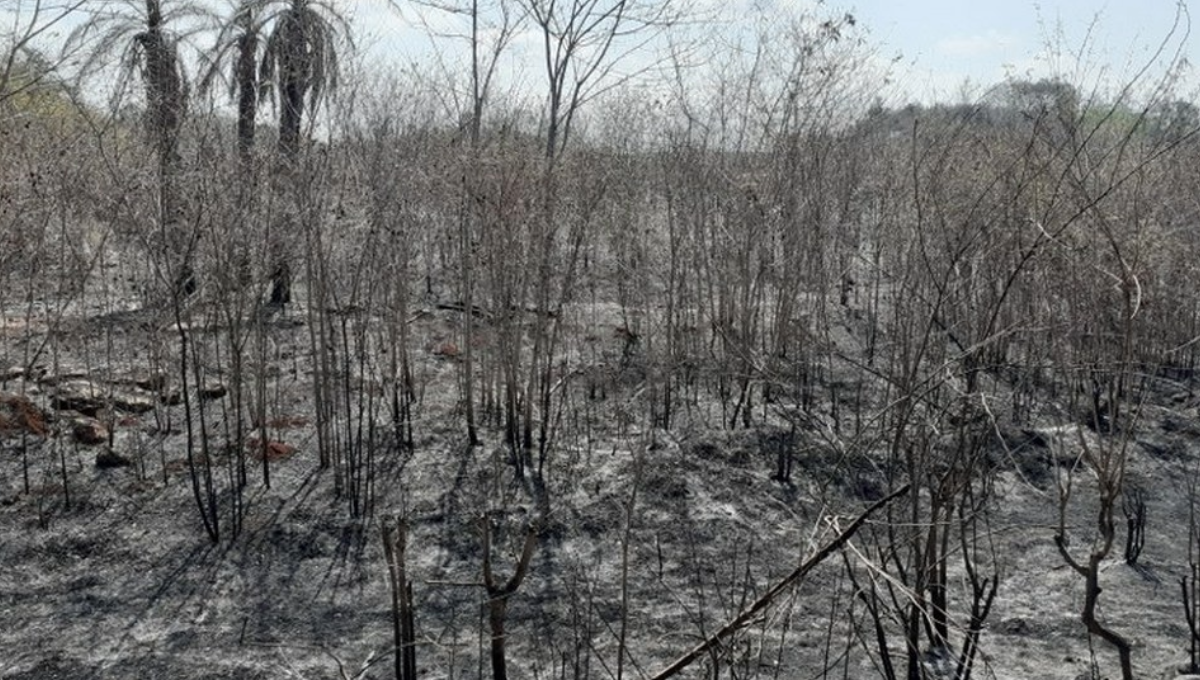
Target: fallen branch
[[476, 310], [761, 603], [482, 313]]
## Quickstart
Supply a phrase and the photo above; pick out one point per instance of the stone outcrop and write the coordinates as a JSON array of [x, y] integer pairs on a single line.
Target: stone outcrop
[[89, 397]]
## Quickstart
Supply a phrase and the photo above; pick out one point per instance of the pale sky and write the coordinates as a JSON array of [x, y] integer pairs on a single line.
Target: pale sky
[[931, 47], [945, 42]]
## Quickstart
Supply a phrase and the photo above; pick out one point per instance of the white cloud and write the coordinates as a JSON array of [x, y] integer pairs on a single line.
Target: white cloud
[[973, 46]]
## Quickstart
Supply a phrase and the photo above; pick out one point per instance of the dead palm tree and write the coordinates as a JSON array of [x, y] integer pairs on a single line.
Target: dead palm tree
[[138, 34], [301, 63], [238, 47]]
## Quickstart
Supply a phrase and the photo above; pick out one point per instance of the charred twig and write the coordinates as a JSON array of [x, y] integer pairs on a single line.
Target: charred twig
[[761, 603]]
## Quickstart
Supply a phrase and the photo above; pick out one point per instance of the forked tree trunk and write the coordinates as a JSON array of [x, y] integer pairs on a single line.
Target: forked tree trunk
[[498, 594]]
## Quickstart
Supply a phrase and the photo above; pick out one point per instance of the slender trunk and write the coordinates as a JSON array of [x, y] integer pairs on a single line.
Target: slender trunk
[[395, 540], [209, 520], [290, 117], [164, 90], [247, 96], [498, 594], [1091, 597], [468, 293]]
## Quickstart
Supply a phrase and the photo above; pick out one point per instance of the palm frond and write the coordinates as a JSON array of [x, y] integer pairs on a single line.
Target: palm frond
[[266, 67], [246, 22], [105, 37], [304, 39]]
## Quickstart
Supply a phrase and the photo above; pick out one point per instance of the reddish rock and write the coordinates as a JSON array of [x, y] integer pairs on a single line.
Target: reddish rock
[[19, 415], [274, 450], [447, 350], [89, 431]]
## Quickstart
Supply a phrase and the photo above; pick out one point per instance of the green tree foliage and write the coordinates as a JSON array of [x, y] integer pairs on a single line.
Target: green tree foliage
[[31, 88], [1173, 121]]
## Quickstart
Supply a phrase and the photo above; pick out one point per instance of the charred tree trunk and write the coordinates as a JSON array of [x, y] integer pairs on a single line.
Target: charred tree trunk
[[247, 81], [498, 594], [395, 538]]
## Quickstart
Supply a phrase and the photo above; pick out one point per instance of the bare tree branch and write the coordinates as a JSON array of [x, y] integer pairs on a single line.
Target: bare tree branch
[[791, 579]]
